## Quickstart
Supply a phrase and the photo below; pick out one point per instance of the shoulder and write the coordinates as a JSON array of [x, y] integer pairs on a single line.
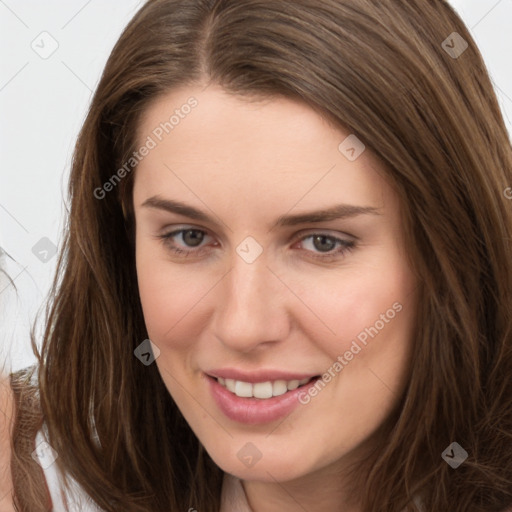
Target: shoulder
[[7, 413]]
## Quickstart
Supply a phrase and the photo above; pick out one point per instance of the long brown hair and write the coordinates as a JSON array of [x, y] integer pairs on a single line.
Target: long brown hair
[[383, 70]]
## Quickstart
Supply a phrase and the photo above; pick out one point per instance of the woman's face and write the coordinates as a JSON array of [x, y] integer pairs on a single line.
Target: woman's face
[[269, 251]]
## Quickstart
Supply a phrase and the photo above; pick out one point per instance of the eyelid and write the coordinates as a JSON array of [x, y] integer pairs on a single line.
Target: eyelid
[[346, 245], [175, 230], [325, 232]]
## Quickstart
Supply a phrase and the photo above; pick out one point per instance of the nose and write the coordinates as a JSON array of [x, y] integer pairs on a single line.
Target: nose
[[252, 307]]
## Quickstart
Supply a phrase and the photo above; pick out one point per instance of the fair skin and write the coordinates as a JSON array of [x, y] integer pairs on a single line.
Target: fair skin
[[245, 164]]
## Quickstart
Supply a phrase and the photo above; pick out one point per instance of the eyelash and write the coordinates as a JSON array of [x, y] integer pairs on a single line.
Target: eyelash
[[346, 246]]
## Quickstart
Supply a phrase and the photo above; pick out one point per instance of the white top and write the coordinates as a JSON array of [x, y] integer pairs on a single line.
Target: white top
[[76, 499]]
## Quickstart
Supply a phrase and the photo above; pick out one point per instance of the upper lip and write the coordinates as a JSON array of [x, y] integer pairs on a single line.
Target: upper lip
[[258, 376]]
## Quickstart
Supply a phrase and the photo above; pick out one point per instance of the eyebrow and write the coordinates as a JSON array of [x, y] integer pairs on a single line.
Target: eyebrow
[[341, 211]]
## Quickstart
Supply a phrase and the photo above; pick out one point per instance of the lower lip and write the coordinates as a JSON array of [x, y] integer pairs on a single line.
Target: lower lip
[[253, 411]]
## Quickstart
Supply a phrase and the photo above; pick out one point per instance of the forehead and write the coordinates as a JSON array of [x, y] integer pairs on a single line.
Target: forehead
[[271, 150]]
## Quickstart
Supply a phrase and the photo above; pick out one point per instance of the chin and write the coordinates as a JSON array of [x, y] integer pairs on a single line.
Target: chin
[[269, 468]]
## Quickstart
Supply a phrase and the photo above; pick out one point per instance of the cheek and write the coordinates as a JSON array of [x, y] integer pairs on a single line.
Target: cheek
[[169, 294], [362, 307], [159, 289]]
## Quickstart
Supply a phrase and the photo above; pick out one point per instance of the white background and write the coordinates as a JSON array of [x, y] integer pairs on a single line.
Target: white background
[[43, 104]]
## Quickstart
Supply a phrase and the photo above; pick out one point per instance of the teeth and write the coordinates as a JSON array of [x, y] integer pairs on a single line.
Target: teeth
[[243, 389], [293, 384], [279, 388], [230, 384], [261, 390]]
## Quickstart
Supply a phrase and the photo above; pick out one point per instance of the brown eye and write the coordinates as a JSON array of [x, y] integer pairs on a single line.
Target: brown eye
[[322, 245], [192, 237], [185, 242]]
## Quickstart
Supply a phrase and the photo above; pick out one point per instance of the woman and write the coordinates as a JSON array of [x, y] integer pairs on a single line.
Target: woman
[[301, 204]]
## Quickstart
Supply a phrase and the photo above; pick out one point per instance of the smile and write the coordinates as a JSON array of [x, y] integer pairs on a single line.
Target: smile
[[270, 396], [261, 390]]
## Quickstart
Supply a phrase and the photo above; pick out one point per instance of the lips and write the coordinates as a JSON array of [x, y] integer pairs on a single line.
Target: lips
[[256, 398]]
